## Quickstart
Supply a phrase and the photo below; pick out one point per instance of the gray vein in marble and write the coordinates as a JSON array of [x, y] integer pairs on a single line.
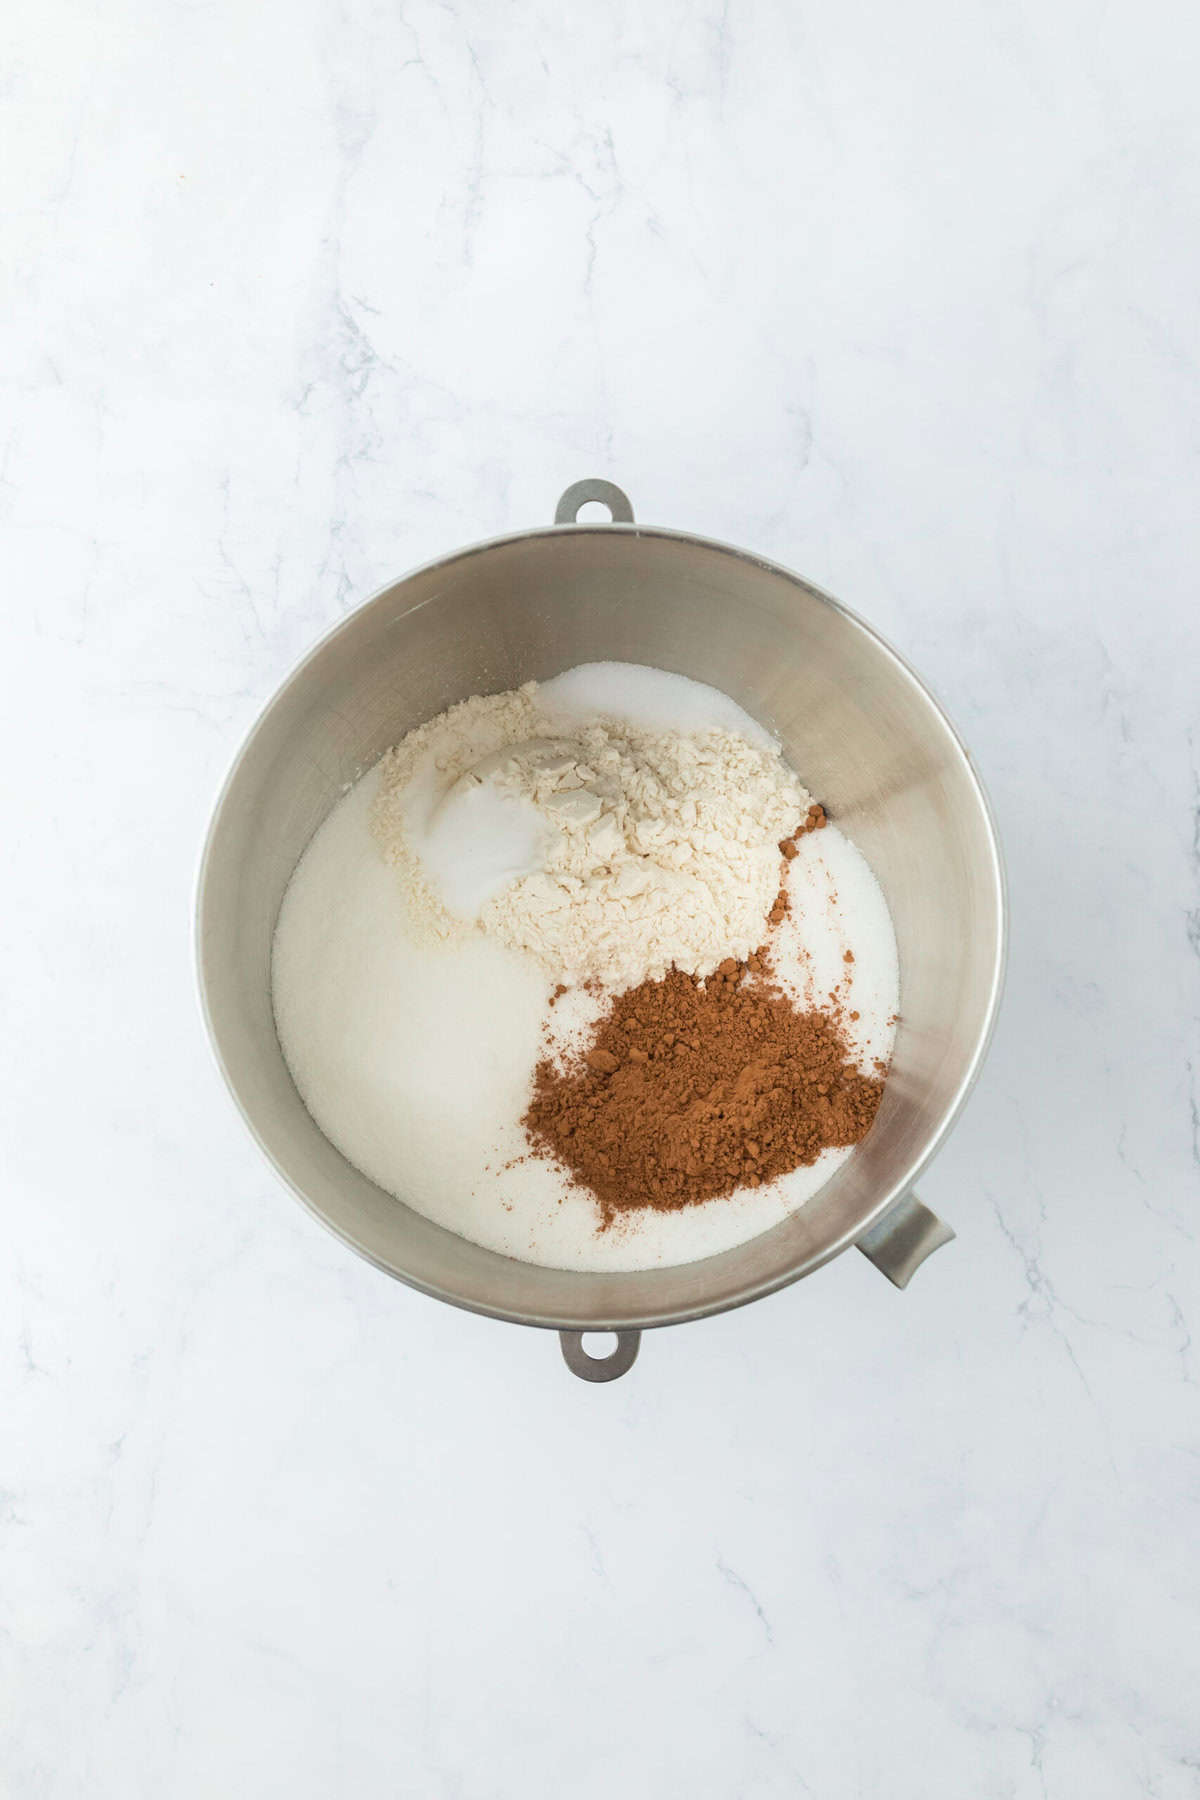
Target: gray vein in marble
[[743, 1587]]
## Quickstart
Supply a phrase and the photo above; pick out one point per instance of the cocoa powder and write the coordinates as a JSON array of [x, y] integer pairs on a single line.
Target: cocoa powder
[[689, 1089]]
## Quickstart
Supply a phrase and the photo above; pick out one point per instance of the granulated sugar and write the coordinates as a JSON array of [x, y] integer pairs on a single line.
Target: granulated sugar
[[610, 848], [650, 700], [414, 1061], [416, 1057]]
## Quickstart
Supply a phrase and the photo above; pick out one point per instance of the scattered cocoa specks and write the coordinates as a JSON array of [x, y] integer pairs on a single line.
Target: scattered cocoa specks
[[779, 909], [815, 820]]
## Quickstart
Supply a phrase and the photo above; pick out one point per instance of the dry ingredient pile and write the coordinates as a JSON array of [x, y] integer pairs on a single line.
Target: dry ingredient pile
[[582, 972], [607, 851], [693, 1089]]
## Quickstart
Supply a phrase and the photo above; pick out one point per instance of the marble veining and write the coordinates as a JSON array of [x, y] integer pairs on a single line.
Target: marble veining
[[301, 296]]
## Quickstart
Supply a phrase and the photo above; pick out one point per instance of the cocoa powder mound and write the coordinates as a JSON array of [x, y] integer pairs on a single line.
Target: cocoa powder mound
[[689, 1089]]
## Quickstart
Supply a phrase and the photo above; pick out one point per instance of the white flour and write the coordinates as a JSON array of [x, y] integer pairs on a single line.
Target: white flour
[[416, 1058], [608, 848]]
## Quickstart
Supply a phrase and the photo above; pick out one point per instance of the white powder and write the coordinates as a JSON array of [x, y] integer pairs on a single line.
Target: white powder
[[608, 848], [651, 699], [416, 1059]]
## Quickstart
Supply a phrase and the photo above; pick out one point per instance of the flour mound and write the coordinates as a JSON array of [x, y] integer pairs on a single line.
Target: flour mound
[[638, 849]]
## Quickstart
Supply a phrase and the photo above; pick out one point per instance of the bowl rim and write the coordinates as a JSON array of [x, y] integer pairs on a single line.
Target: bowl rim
[[768, 1284]]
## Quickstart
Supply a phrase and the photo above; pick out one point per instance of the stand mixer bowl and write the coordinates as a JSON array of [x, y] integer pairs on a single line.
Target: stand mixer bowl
[[867, 738]]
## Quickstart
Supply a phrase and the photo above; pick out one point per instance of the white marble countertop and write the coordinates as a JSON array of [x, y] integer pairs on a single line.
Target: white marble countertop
[[301, 296]]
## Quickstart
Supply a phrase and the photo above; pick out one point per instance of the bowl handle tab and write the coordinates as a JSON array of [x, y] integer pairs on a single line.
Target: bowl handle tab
[[593, 488], [599, 1368], [899, 1242]]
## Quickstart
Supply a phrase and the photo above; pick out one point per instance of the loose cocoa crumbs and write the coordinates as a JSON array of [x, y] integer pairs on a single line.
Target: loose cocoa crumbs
[[691, 1089], [816, 819]]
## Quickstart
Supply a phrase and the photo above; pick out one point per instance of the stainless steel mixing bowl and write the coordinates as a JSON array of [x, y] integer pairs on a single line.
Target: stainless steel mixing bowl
[[868, 740]]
